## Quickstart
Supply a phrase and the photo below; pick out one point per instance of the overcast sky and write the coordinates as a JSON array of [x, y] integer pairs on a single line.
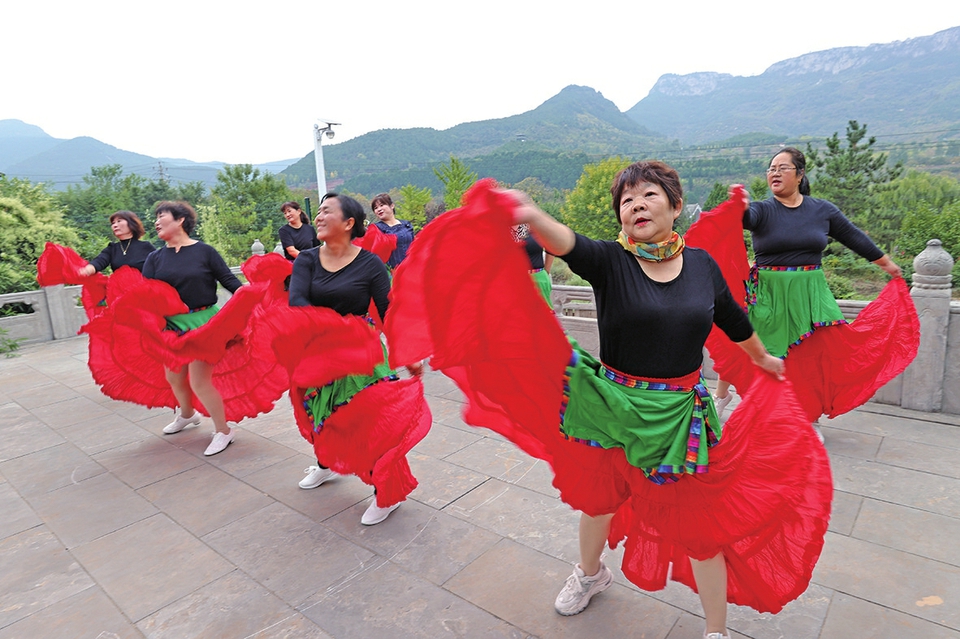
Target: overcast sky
[[223, 81]]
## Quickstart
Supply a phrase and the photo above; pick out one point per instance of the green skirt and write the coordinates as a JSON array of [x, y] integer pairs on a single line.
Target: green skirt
[[665, 430], [193, 319], [321, 402], [542, 279], [785, 306]]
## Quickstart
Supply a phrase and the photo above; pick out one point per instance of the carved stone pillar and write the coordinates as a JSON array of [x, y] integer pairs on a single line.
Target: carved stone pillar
[[923, 381]]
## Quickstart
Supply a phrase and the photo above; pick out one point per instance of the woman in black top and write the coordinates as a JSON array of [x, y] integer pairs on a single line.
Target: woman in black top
[[540, 261], [657, 301], [346, 278], [790, 297], [128, 250], [297, 234], [193, 269]]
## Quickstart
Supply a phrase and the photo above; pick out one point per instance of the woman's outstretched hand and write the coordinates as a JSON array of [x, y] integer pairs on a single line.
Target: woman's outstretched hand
[[745, 196], [773, 365]]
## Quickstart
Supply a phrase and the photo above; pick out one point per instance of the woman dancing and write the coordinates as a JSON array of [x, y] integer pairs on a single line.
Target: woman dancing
[[740, 512], [388, 223], [193, 269], [297, 234], [128, 250], [789, 297], [341, 276]]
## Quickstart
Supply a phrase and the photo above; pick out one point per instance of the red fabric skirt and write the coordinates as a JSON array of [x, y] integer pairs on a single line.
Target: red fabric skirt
[[835, 369], [59, 265], [370, 435], [765, 500], [130, 348], [764, 503]]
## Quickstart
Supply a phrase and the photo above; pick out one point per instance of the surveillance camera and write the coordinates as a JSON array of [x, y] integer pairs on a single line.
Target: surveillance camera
[[330, 134]]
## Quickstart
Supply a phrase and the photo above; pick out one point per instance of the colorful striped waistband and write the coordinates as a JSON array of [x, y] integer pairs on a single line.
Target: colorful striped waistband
[[535, 270], [685, 384], [805, 267], [753, 280], [198, 309]]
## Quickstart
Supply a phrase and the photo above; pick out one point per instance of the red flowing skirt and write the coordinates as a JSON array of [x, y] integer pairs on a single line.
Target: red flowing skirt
[[130, 348], [59, 265], [370, 435], [765, 501], [837, 368]]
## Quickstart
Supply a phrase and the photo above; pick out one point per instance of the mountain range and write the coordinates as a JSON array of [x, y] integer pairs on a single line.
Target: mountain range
[[27, 151], [907, 90]]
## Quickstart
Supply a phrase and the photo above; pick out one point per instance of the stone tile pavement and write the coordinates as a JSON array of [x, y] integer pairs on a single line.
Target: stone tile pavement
[[109, 529]]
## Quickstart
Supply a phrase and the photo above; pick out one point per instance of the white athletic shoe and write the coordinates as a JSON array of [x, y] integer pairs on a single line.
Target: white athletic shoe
[[375, 514], [316, 476], [579, 589]]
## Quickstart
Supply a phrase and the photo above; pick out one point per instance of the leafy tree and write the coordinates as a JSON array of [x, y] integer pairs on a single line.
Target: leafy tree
[[245, 188], [758, 188], [29, 218], [547, 198], [927, 222], [914, 192], [412, 205], [853, 177], [231, 230], [244, 206], [718, 195], [456, 178], [587, 209]]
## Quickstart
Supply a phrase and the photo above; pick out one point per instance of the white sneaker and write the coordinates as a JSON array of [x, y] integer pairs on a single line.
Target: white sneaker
[[181, 422], [579, 589], [316, 476], [375, 514], [219, 442], [715, 635], [721, 403]]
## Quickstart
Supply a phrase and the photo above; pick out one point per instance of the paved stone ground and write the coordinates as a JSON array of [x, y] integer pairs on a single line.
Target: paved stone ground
[[109, 529]]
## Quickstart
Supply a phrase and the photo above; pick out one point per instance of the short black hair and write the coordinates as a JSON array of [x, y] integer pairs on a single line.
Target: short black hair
[[350, 209], [180, 211]]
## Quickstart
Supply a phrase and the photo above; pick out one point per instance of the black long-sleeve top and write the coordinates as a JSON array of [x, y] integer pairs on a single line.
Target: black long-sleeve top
[[347, 291], [784, 236], [194, 271], [656, 329], [534, 252], [301, 239], [114, 257]]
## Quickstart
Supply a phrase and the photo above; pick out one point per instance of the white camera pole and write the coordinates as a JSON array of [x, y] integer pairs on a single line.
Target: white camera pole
[[318, 133]]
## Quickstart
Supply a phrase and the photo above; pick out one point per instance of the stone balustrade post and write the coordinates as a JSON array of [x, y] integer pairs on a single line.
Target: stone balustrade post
[[257, 247], [923, 381], [59, 306]]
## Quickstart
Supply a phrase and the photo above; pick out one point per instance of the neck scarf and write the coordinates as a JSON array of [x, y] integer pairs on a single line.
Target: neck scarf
[[653, 252]]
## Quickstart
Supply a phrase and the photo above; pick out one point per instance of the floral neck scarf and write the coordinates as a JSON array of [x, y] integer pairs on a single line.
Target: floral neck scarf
[[655, 252]]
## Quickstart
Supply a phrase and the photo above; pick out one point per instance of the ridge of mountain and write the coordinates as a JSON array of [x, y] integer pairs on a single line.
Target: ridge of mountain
[[901, 87]]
